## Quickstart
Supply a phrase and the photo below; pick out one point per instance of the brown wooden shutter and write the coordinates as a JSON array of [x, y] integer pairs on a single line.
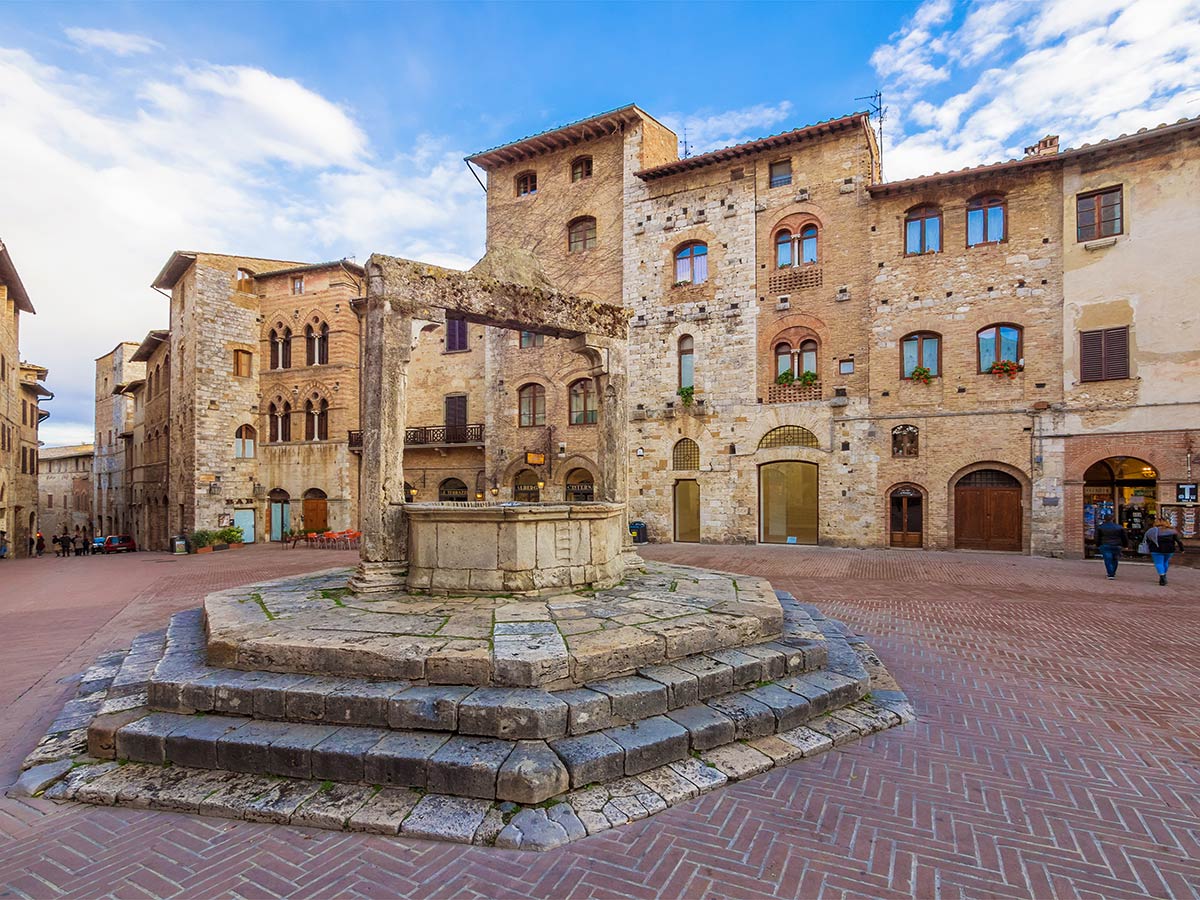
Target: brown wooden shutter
[[1091, 356], [1116, 353]]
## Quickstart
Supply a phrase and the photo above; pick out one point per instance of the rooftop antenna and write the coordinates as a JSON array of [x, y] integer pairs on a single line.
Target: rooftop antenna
[[879, 111], [687, 148]]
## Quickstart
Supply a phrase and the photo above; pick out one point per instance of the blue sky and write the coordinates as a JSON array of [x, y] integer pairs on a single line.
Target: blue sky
[[313, 131]]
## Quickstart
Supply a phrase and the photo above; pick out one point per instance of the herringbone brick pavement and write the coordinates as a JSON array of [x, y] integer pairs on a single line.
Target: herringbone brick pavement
[[1056, 755]]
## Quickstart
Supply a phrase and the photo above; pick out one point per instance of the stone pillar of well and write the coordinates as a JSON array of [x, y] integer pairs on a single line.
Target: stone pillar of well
[[387, 351]]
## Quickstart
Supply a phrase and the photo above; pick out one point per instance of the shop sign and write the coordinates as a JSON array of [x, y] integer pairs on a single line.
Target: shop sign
[[535, 459], [1185, 493]]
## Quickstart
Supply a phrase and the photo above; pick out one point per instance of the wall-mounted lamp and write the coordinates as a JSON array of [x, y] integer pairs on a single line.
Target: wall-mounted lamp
[[495, 490], [479, 495], [541, 484]]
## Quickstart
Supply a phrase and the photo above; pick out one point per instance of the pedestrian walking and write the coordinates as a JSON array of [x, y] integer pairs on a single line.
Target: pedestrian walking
[[3, 545], [40, 544], [1163, 542], [1111, 540]]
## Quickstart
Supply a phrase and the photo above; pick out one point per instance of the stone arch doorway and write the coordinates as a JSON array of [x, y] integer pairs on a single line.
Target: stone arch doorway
[[1124, 487], [906, 516], [526, 488], [788, 502], [988, 513], [279, 513], [687, 511], [581, 486], [316, 510], [452, 490]]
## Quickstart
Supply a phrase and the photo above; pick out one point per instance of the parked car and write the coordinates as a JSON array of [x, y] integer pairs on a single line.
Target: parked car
[[116, 543], [97, 545]]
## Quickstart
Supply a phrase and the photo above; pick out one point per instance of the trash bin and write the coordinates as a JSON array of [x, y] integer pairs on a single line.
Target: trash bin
[[179, 544], [638, 530]]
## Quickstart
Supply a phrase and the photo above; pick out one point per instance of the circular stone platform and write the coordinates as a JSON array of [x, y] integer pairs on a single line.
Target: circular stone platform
[[314, 625]]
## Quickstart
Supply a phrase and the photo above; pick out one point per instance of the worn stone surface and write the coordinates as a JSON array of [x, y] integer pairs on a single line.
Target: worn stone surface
[[193, 740], [750, 718], [669, 784], [332, 806], [402, 758], [590, 758], [435, 708], [704, 777], [531, 774], [738, 761], [587, 710], [278, 802], [789, 709], [443, 818], [707, 727], [513, 714], [342, 755], [532, 829], [683, 688], [384, 811], [633, 698], [649, 743], [468, 766], [35, 780]]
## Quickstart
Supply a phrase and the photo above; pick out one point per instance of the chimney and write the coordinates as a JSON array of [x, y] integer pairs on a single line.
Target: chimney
[[1047, 146]]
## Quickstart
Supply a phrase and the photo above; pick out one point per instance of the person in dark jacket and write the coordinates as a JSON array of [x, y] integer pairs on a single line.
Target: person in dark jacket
[[1164, 542], [1111, 539]]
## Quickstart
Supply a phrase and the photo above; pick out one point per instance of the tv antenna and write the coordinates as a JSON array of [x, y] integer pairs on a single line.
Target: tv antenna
[[687, 148], [879, 111]]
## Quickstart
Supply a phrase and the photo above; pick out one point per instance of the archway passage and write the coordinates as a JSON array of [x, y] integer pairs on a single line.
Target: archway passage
[[1125, 488], [525, 487], [452, 490], [581, 487], [906, 516], [316, 510], [987, 511], [279, 513], [687, 511], [788, 502]]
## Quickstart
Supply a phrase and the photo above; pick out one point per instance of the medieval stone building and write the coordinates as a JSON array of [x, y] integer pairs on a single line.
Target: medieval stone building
[[116, 372], [65, 490]]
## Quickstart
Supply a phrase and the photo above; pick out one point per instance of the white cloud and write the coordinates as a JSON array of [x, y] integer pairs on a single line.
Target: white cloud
[[116, 42], [721, 129], [101, 180], [1084, 71]]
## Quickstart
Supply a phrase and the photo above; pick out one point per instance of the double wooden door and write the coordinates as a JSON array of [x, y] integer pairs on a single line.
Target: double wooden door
[[987, 512], [907, 515]]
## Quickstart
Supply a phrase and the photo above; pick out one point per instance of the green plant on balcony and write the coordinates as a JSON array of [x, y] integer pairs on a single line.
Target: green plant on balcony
[[687, 395], [1004, 367], [785, 378], [922, 374], [807, 379]]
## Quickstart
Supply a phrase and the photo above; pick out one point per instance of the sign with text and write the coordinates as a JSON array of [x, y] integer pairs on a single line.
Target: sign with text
[[535, 459], [1185, 493]]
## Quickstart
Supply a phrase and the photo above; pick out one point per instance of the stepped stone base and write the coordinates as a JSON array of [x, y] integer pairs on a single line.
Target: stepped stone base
[[525, 768]]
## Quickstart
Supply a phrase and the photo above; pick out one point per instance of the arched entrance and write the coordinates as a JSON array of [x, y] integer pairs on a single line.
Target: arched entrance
[[316, 510], [987, 511], [452, 490], [581, 487], [788, 502], [906, 515], [687, 511], [279, 512], [525, 487], [1123, 487]]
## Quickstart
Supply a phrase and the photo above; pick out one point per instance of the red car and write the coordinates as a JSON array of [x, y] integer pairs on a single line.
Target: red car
[[116, 543]]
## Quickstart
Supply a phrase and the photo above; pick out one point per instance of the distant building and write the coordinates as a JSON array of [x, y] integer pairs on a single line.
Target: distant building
[[65, 489], [115, 371]]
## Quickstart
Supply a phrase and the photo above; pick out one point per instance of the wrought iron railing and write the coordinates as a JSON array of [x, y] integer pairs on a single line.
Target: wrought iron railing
[[443, 434], [355, 440]]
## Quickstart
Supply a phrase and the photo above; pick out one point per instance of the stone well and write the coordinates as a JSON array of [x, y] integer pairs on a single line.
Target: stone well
[[518, 548]]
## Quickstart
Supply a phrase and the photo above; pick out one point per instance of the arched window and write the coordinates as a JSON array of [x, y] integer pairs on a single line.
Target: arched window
[[581, 168], [532, 399], [281, 348], [581, 486], [280, 418], [687, 362], [788, 436], [921, 350], [243, 442], [986, 221], [452, 491], [316, 342], [581, 234], [796, 360], [525, 487], [923, 230], [583, 402], [796, 249], [691, 263], [783, 358], [316, 420], [997, 344], [905, 441], [686, 455], [526, 183], [157, 380]]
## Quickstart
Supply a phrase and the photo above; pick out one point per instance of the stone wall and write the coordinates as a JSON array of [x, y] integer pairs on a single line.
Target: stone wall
[[65, 489], [114, 418]]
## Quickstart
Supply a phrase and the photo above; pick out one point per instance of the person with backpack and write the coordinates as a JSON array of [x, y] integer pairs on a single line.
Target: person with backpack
[[1163, 542], [1111, 539]]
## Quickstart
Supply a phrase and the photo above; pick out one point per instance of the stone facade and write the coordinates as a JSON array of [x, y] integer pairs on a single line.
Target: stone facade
[[116, 371], [20, 415], [149, 481], [65, 490]]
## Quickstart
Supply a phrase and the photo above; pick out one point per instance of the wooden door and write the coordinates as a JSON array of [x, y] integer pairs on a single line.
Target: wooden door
[[456, 418], [788, 503], [987, 512], [907, 517], [687, 511], [316, 515]]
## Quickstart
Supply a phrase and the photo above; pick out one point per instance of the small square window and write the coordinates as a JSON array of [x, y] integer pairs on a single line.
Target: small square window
[[297, 284], [846, 366], [781, 173], [241, 363]]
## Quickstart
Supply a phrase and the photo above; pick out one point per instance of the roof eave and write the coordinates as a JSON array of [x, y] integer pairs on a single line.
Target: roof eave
[[560, 138], [10, 278], [173, 270]]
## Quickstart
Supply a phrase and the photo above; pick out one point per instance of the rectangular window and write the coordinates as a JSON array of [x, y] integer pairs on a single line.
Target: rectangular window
[[297, 284], [1104, 354], [241, 363], [456, 411], [529, 340], [456, 335], [244, 282], [1098, 214], [846, 366], [781, 173]]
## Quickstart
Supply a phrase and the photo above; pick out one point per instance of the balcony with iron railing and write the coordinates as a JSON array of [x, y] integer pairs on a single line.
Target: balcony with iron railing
[[432, 436]]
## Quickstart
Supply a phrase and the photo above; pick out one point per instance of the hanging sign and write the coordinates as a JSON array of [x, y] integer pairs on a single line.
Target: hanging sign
[[535, 459], [1185, 493]]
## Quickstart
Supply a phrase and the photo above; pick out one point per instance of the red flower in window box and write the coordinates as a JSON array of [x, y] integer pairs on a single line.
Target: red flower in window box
[[922, 374], [1004, 367]]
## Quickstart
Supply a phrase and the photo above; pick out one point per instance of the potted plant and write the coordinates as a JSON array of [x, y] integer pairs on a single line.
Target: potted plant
[[785, 377], [687, 395], [684, 283], [231, 535], [202, 540], [922, 374], [1004, 367], [808, 379]]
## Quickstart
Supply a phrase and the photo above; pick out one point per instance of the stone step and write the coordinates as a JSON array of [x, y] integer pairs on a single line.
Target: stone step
[[184, 683], [527, 770]]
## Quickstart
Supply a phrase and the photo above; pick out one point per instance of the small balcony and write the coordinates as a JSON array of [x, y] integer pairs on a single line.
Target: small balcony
[[444, 436], [354, 441], [793, 393]]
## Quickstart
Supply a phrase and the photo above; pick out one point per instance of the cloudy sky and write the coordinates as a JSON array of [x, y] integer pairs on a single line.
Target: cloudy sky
[[305, 131]]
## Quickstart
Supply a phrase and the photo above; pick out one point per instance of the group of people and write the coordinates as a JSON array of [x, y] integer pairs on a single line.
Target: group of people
[[78, 544], [1161, 541]]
